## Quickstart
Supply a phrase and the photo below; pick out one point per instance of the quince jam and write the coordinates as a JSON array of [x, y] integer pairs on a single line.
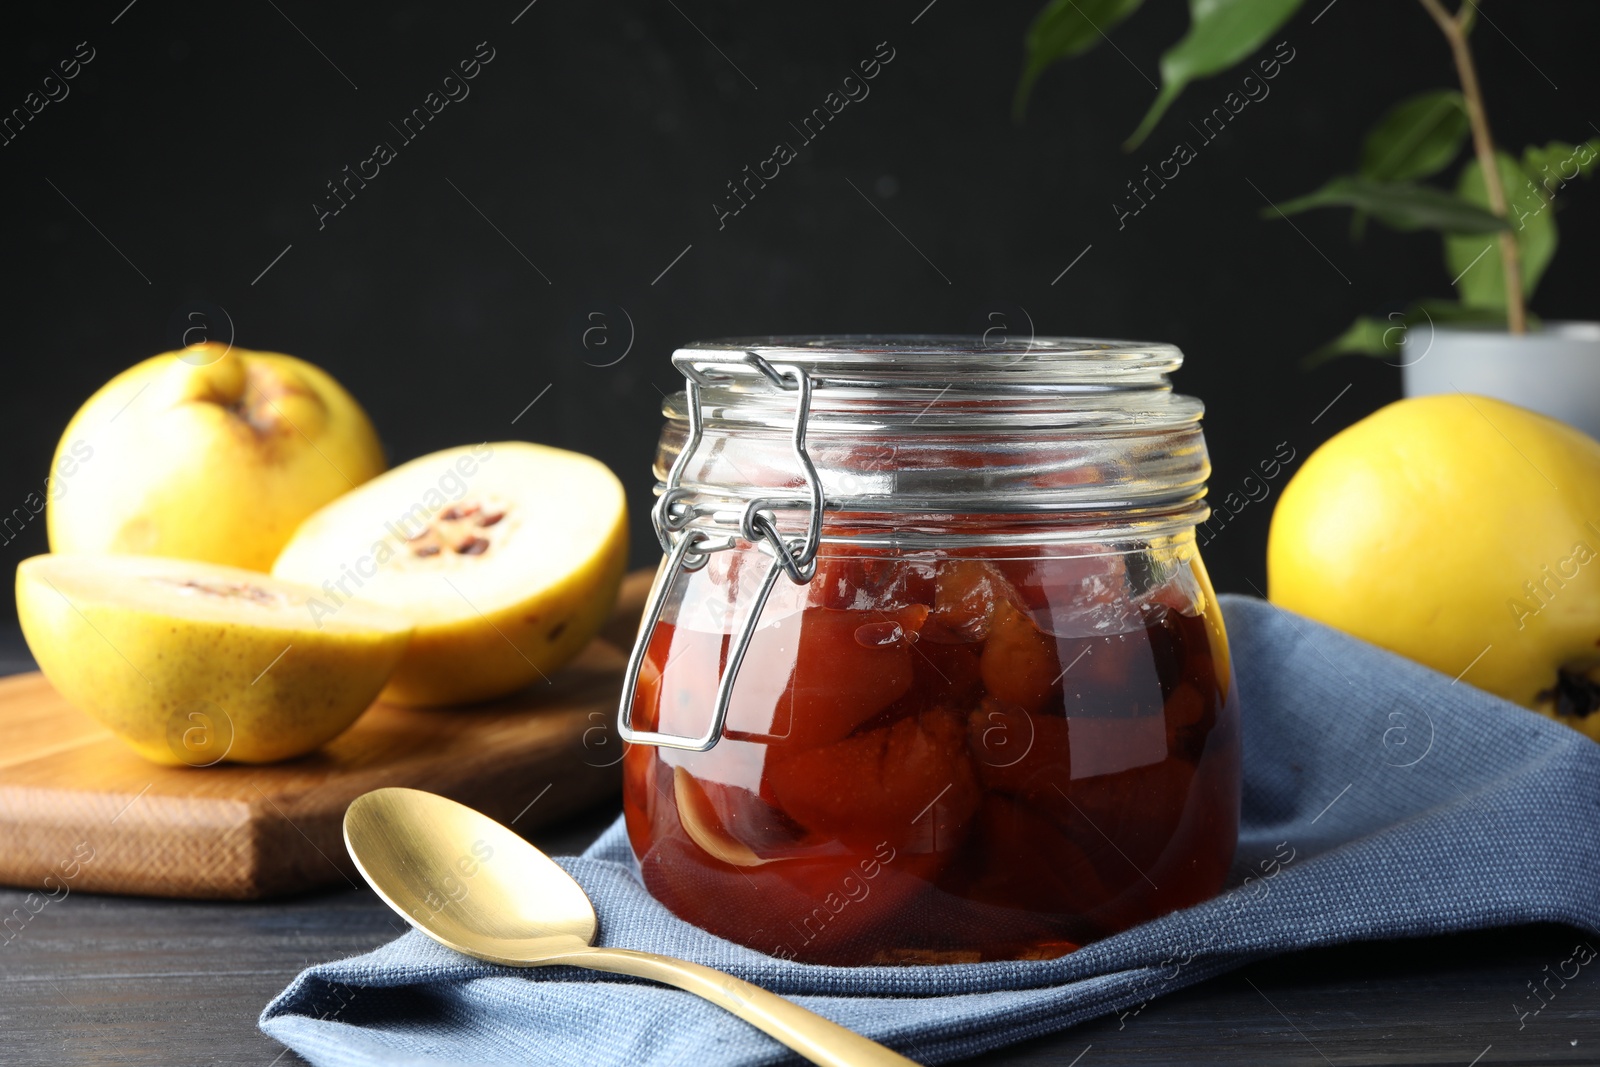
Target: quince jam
[[940, 758]]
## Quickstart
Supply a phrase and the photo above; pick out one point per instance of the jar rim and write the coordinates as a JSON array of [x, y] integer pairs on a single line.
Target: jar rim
[[954, 361]]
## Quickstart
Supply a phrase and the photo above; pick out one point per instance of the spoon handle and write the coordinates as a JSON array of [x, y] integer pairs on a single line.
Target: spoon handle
[[817, 1039]]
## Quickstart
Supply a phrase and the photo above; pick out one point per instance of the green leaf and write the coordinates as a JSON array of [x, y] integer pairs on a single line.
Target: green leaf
[[1418, 137], [1557, 163], [1531, 188], [1401, 205], [1065, 28], [1221, 33], [1370, 336], [1450, 312], [1475, 260], [1366, 336]]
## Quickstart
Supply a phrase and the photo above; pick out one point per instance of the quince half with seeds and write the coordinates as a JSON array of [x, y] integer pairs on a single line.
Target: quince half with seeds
[[507, 556]]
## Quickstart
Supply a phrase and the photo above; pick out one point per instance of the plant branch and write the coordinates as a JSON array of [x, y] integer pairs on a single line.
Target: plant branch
[[1454, 29]]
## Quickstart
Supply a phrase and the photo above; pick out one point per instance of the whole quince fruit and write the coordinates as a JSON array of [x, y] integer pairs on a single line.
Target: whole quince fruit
[[195, 663], [208, 453], [1461, 532]]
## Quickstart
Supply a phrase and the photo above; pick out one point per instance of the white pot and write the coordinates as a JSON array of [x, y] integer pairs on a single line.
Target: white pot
[[1554, 370]]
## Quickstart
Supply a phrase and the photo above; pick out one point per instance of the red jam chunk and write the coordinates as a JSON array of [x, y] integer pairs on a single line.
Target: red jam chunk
[[944, 760]]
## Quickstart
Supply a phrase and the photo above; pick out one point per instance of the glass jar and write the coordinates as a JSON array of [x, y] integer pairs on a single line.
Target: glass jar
[[933, 671]]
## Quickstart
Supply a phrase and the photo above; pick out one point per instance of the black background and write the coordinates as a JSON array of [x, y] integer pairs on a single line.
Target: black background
[[598, 139]]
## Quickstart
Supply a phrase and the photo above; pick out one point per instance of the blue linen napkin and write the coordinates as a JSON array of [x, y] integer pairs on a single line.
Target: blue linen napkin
[[1381, 800]]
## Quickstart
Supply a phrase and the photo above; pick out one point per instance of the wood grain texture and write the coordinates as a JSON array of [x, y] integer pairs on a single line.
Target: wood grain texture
[[80, 808], [139, 982]]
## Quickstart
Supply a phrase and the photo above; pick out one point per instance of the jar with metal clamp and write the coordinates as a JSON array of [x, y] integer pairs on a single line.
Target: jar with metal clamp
[[932, 671]]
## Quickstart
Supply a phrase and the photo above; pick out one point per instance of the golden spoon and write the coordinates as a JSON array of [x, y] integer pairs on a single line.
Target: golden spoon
[[477, 887]]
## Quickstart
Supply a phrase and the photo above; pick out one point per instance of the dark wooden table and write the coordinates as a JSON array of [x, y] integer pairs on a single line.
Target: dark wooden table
[[124, 981]]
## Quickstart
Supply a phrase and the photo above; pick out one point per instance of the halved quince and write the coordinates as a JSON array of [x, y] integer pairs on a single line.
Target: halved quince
[[195, 663], [507, 556]]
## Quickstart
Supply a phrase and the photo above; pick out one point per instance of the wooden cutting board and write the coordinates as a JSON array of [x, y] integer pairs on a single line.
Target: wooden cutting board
[[80, 811]]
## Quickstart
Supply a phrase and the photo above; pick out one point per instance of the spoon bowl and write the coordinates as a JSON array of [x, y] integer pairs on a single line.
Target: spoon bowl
[[478, 887], [462, 878]]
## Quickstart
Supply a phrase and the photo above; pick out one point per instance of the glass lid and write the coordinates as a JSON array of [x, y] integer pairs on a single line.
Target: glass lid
[[934, 424]]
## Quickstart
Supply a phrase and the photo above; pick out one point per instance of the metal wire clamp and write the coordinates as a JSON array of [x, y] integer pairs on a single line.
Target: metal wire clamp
[[689, 549]]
